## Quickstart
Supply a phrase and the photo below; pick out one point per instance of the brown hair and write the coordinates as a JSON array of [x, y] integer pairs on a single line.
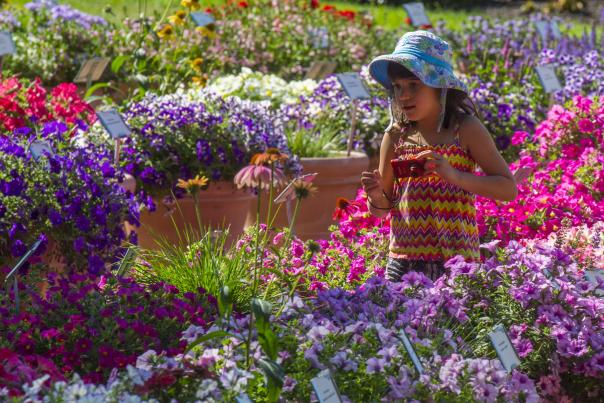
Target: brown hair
[[458, 103]]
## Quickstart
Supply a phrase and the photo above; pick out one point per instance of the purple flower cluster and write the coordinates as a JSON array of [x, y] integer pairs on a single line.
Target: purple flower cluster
[[89, 325], [60, 13], [179, 139], [72, 197], [328, 109]]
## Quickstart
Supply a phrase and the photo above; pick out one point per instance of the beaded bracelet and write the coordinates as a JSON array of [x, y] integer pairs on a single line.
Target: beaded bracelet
[[378, 208], [394, 202]]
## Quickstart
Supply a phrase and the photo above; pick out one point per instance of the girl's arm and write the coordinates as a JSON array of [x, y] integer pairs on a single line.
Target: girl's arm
[[381, 181], [498, 184]]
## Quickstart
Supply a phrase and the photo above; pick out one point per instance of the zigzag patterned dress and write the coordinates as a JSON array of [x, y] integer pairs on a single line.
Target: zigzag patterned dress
[[434, 220]]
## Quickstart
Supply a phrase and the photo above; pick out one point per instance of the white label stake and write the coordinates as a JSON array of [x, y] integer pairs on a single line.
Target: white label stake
[[548, 78], [417, 13], [505, 350], [325, 388]]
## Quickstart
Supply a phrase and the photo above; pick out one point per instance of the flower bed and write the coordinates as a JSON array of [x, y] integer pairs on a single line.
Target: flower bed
[[89, 325], [71, 197]]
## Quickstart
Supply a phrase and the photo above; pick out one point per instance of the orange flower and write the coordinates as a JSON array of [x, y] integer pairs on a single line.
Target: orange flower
[[269, 157], [192, 186]]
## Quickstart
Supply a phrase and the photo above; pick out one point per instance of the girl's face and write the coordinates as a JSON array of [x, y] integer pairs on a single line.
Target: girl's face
[[417, 100]]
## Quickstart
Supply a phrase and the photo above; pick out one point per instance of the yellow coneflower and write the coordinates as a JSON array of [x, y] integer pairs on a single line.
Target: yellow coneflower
[[167, 32], [207, 31], [304, 189], [269, 157], [178, 18], [192, 186], [196, 64], [200, 80], [191, 4]]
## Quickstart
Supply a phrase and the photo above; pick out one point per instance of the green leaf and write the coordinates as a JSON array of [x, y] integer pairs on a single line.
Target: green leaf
[[225, 302], [117, 63], [272, 371], [274, 378], [208, 336], [268, 342], [93, 88], [262, 310]]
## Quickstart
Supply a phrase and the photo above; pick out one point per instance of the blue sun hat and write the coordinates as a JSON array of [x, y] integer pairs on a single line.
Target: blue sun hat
[[425, 55]]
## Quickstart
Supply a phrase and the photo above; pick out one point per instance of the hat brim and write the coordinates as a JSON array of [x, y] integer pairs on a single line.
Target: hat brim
[[431, 75]]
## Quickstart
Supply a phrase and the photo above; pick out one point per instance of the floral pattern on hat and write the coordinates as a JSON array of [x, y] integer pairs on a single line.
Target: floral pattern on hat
[[425, 55]]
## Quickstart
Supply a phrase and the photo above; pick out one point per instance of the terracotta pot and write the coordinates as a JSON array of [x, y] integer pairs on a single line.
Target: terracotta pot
[[338, 176], [374, 161], [220, 206]]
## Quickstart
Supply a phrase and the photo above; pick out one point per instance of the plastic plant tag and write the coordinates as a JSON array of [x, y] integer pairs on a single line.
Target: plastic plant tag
[[113, 122], [289, 193], [243, 398], [417, 14], [411, 351], [319, 37], [325, 388], [548, 29], [92, 70], [352, 84], [319, 70], [547, 77], [7, 45], [550, 277], [39, 148], [593, 276], [202, 19], [504, 348]]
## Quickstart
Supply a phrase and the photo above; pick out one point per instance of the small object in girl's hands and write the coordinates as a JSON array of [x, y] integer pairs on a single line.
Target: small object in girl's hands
[[408, 168]]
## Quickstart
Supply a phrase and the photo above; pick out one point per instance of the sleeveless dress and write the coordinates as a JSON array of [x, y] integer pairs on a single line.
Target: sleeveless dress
[[434, 220]]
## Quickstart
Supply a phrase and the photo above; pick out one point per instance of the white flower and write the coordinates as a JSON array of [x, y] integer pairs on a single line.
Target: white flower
[[146, 360]]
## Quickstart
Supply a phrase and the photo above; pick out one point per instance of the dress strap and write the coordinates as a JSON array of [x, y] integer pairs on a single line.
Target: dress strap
[[457, 130]]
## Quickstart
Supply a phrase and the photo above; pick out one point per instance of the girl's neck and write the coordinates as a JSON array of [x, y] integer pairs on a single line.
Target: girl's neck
[[427, 127]]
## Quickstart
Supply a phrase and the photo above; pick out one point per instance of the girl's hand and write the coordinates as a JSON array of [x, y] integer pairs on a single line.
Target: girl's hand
[[372, 184], [440, 165]]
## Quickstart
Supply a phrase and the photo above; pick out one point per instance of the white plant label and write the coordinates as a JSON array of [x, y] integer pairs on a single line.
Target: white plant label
[[353, 85], [548, 78], [7, 45], [113, 122], [202, 19], [505, 350], [417, 13], [40, 148], [592, 276], [325, 388]]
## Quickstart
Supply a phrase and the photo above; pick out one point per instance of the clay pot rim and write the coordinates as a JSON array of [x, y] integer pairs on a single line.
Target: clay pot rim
[[341, 155]]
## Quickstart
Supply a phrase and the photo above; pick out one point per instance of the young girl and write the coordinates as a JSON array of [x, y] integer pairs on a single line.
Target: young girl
[[433, 217]]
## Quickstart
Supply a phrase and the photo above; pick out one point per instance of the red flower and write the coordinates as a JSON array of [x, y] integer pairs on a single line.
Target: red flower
[[348, 14], [426, 26], [314, 3], [209, 10], [328, 8], [243, 4], [408, 20], [345, 208]]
